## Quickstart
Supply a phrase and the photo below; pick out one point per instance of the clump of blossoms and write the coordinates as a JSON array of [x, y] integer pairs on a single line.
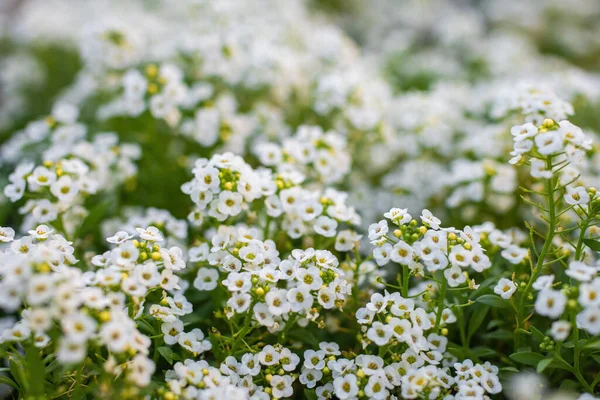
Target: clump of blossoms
[[329, 372], [74, 317], [262, 289], [226, 186], [311, 152], [157, 88], [72, 170]]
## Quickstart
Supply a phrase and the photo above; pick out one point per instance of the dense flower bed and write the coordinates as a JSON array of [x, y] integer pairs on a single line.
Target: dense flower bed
[[299, 199]]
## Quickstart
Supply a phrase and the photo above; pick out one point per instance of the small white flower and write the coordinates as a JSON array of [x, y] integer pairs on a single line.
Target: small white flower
[[429, 219], [378, 230], [505, 288], [282, 386], [41, 232], [402, 253], [119, 237], [379, 333], [514, 254], [578, 195], [549, 142], [550, 303], [543, 282], [579, 271], [151, 234], [325, 226], [346, 387], [230, 203], [538, 169], [7, 234], [589, 320], [589, 293], [560, 330]]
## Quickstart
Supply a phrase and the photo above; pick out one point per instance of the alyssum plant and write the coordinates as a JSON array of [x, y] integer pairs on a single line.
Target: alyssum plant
[[266, 294]]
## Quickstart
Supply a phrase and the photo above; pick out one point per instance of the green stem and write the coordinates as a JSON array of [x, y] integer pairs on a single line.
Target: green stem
[[577, 356], [579, 247], [242, 334], [405, 279], [547, 245], [440, 310]]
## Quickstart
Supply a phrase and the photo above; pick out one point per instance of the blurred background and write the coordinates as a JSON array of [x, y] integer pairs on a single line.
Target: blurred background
[[424, 91]]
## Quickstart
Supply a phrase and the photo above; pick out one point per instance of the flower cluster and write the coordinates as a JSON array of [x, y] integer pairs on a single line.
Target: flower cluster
[[275, 293], [373, 377]]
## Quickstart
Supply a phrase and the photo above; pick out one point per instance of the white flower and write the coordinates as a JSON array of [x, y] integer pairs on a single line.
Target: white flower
[[428, 219], [514, 254], [171, 331], [325, 226], [525, 131], [402, 253], [505, 288], [550, 303], [230, 203], [277, 302], [538, 169], [579, 271], [383, 254], [151, 234], [376, 387], [578, 195], [78, 327], [207, 279], [310, 377], [346, 387], [119, 237], [454, 275], [41, 176], [7, 234], [543, 282], [41, 232], [589, 293], [282, 386], [65, 189], [399, 216], [378, 230], [549, 142], [560, 330], [268, 356], [589, 320], [173, 258], [300, 299], [71, 351], [379, 333]]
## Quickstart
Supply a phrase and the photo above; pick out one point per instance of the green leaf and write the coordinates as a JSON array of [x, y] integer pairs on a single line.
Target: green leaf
[[527, 357], [542, 365], [537, 334], [500, 334], [7, 381], [310, 394], [510, 369], [569, 385], [456, 351], [18, 372], [477, 317], [483, 352], [168, 354], [592, 244], [36, 371], [495, 324], [561, 364], [91, 222], [493, 301]]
